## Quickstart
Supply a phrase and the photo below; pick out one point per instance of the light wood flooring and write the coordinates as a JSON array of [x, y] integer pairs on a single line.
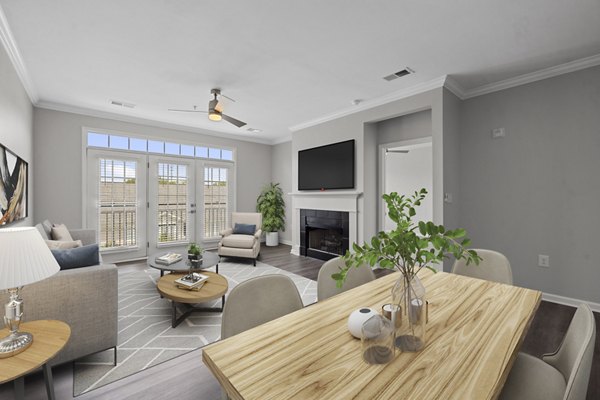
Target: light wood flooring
[[185, 377]]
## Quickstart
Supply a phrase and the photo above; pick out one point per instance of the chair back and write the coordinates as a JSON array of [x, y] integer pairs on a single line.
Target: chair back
[[246, 218], [493, 267], [327, 287], [259, 300], [574, 356]]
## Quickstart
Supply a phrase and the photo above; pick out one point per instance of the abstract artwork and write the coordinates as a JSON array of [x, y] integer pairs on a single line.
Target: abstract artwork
[[13, 187]]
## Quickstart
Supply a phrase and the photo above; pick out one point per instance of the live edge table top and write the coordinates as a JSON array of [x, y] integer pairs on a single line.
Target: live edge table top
[[474, 332]]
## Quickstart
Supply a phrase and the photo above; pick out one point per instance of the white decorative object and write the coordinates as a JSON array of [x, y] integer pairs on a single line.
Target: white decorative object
[[272, 238], [24, 258], [357, 319]]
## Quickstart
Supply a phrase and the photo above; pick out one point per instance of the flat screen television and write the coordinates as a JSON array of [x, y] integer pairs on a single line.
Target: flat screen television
[[327, 167]]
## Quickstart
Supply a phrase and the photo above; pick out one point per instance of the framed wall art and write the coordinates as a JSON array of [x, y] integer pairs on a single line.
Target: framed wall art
[[13, 187]]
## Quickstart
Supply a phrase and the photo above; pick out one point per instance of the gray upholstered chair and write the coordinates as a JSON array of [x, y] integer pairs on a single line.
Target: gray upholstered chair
[[494, 267], [563, 374], [234, 244], [259, 300], [327, 287]]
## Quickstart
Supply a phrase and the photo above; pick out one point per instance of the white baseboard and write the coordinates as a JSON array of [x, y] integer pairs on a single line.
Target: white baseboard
[[295, 250], [568, 301], [288, 242]]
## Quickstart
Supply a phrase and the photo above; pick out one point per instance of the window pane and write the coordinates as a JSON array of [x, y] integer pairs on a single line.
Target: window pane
[[172, 148], [215, 201], [187, 150], [214, 153], [172, 203], [97, 139], [137, 144], [227, 155], [201, 152], [156, 147], [118, 204], [119, 142]]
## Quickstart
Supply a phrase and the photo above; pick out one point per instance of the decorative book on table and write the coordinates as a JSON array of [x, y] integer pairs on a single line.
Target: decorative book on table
[[168, 259], [191, 281]]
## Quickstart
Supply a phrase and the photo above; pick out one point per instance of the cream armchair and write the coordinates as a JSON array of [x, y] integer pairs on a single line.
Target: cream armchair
[[242, 244]]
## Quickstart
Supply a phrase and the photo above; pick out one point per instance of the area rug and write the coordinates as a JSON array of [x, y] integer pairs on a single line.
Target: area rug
[[145, 334]]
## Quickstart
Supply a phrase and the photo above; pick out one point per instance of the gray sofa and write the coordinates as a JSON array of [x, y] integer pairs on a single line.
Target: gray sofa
[[85, 298]]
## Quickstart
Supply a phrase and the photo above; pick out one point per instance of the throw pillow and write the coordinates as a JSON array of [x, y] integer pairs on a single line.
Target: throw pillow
[[61, 245], [60, 232], [244, 229], [78, 257]]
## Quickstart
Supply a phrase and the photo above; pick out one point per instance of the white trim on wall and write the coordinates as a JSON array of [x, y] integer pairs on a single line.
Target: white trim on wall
[[568, 301], [8, 40]]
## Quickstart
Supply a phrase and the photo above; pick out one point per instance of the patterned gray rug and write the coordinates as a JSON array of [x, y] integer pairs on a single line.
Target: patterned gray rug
[[145, 334]]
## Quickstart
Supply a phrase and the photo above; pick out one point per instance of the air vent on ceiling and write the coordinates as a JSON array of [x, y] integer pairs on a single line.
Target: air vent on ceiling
[[122, 104], [399, 74]]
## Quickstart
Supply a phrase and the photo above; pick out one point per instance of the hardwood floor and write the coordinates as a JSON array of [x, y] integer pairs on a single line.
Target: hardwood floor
[[185, 377]]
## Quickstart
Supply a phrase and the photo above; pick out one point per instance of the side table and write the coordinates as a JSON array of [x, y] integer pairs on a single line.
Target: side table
[[49, 337]]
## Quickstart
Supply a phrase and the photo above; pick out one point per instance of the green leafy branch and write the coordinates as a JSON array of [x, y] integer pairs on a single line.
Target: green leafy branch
[[271, 205]]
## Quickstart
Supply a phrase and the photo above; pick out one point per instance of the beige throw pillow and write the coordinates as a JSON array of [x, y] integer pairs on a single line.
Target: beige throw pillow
[[60, 232], [62, 245]]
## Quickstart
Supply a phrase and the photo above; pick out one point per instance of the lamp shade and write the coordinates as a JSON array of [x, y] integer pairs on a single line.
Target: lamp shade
[[24, 258]]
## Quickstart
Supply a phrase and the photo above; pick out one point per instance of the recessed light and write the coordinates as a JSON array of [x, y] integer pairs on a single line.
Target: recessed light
[[119, 103], [356, 102], [254, 130]]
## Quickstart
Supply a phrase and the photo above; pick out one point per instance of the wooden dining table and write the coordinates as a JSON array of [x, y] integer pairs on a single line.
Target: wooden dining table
[[474, 332]]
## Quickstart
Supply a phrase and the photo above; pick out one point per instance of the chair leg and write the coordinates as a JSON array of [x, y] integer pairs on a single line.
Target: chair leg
[[115, 356], [255, 262]]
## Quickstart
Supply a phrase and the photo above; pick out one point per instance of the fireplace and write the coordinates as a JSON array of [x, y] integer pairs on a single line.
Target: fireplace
[[323, 234]]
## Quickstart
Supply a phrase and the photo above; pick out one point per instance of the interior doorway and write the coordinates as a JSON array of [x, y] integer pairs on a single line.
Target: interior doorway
[[406, 167]]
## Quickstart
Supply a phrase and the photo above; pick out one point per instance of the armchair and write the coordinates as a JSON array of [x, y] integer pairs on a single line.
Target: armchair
[[241, 244]]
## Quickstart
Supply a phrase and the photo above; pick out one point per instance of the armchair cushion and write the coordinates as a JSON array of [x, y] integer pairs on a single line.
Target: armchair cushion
[[238, 241], [244, 229], [226, 232]]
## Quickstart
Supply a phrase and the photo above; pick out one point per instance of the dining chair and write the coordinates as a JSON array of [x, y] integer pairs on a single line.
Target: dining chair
[[258, 300], [563, 374], [327, 287], [493, 266]]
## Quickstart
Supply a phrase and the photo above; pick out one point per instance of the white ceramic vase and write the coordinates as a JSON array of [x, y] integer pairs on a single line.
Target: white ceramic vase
[[357, 319]]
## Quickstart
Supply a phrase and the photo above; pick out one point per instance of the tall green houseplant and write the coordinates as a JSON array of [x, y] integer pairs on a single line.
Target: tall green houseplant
[[271, 205]]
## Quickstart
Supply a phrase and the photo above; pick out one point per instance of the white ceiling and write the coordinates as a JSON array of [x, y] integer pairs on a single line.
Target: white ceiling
[[285, 62]]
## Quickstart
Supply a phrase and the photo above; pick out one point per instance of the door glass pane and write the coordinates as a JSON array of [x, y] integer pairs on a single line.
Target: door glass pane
[[172, 203], [216, 190], [118, 203]]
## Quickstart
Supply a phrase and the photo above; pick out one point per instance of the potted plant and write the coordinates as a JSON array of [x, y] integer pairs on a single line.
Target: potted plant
[[272, 207], [410, 247], [195, 254]]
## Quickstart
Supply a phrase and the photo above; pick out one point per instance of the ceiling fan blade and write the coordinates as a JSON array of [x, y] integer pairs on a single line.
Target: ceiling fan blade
[[219, 107], [234, 121], [196, 111], [227, 97]]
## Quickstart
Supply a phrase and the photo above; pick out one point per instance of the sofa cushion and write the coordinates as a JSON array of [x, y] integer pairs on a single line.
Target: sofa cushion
[[63, 244], [84, 256], [244, 229], [238, 241], [47, 225], [60, 232], [42, 232]]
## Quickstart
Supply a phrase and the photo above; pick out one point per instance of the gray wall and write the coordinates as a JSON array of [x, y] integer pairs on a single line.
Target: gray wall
[[537, 191], [16, 131], [411, 126], [58, 155], [282, 173]]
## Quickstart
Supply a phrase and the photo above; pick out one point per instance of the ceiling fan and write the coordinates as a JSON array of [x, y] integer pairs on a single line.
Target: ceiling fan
[[215, 109]]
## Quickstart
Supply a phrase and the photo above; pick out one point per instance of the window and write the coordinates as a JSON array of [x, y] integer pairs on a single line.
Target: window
[[201, 152], [118, 203], [97, 140], [187, 150], [172, 203], [216, 195], [214, 153], [118, 142], [156, 147], [227, 155], [138, 144], [172, 148]]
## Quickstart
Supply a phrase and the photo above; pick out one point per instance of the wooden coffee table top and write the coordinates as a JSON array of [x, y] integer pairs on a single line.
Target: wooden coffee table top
[[215, 287], [49, 337]]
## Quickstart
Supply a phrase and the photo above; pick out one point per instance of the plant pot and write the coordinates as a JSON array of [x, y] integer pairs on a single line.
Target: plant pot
[[409, 294], [194, 260], [272, 238]]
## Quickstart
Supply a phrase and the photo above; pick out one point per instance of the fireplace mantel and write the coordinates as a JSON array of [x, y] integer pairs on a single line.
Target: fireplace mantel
[[327, 193]]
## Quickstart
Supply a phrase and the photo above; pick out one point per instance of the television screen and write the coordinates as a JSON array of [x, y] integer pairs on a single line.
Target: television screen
[[327, 167]]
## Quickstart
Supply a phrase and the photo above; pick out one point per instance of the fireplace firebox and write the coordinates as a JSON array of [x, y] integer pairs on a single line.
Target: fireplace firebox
[[323, 234]]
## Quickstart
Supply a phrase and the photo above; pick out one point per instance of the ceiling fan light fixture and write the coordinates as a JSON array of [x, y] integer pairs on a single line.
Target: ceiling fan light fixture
[[214, 116]]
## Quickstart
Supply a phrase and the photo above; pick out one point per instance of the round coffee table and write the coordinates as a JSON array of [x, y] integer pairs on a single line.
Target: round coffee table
[[216, 286], [209, 259]]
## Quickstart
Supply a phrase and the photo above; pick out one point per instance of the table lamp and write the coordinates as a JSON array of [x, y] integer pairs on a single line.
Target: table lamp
[[24, 258]]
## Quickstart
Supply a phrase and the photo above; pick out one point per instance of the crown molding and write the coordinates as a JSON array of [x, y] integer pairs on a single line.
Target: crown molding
[[8, 41], [283, 139], [144, 121], [545, 73], [375, 102], [452, 85]]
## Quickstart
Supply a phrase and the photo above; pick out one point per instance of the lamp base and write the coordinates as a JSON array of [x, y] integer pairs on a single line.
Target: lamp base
[[15, 343]]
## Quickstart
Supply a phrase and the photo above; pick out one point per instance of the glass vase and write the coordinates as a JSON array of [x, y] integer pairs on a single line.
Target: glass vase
[[409, 294], [377, 340]]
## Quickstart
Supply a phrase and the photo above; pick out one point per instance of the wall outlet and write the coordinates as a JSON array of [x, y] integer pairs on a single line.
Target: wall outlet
[[498, 133], [543, 261], [448, 198]]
